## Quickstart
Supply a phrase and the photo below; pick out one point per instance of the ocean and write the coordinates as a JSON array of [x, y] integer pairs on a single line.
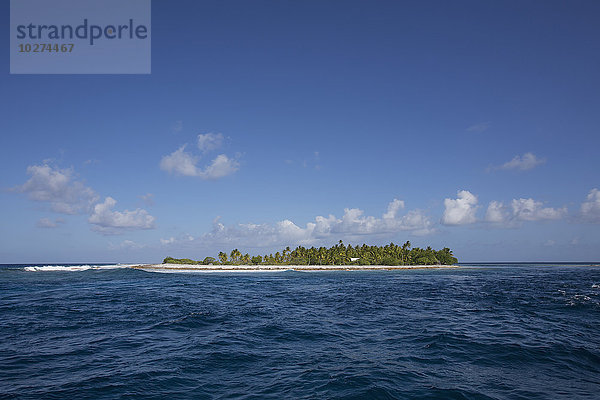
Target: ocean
[[482, 331]]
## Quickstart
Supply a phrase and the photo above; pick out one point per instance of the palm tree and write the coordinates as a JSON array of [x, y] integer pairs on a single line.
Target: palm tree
[[285, 255], [390, 254], [235, 255]]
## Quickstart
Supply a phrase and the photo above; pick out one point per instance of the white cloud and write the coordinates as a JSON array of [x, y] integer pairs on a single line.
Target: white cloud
[[219, 168], [393, 208], [58, 188], [165, 242], [353, 224], [531, 210], [114, 222], [180, 162], [525, 162], [460, 211], [210, 141], [48, 223], [590, 209], [184, 163], [521, 210], [496, 212], [66, 195]]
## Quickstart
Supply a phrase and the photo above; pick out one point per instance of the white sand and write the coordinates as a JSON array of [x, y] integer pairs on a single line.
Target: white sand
[[267, 268]]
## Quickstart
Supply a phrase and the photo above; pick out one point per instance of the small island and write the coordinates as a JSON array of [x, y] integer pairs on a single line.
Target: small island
[[337, 257]]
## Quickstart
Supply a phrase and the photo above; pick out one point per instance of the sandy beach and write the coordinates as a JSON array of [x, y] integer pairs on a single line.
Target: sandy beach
[[267, 268]]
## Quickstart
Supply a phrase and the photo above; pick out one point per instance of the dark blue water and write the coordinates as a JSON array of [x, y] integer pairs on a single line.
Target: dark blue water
[[489, 332]]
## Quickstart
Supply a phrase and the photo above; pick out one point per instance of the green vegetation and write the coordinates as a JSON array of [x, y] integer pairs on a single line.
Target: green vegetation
[[339, 254], [171, 260]]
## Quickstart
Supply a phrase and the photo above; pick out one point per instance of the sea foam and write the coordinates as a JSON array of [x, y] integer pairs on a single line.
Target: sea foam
[[85, 267]]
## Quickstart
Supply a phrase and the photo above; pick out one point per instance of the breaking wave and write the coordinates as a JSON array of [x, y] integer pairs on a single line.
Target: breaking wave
[[84, 267]]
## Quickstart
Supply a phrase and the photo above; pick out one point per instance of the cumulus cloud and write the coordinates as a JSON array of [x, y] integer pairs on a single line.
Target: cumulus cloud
[[590, 209], [525, 162], [58, 188], [353, 224], [184, 163], [110, 222], [48, 223], [210, 141], [180, 162], [219, 168], [393, 208], [521, 210], [531, 210], [66, 195], [496, 212], [460, 211]]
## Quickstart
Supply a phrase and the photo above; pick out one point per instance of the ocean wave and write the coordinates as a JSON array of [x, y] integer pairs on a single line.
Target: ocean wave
[[84, 267], [302, 335]]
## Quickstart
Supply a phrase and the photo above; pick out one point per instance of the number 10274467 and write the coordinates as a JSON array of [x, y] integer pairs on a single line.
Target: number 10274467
[[45, 48]]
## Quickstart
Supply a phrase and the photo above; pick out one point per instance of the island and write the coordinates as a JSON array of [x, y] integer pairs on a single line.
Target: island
[[337, 257]]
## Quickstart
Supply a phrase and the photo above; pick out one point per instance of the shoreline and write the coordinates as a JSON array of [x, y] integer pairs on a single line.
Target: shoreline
[[267, 268]]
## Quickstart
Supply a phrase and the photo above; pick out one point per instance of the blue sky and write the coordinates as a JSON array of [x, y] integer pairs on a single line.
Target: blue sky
[[467, 124]]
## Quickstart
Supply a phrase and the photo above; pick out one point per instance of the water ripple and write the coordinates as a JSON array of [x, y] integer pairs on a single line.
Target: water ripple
[[501, 332]]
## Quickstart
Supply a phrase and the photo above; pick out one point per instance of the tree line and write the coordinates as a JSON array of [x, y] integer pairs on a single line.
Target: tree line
[[338, 254]]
